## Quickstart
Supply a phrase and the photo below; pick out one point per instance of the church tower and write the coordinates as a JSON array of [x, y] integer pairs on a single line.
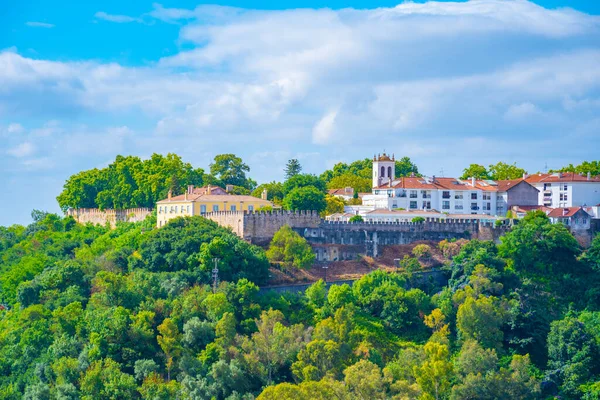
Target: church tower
[[384, 169]]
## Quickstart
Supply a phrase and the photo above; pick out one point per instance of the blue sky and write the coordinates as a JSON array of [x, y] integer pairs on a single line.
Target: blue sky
[[446, 83]]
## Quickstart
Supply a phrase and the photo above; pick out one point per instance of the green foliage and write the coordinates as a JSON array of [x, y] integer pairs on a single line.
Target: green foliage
[[274, 191], [422, 251], [129, 182], [498, 171], [231, 170], [307, 198], [334, 205], [358, 183], [418, 220], [292, 168], [356, 218], [290, 249], [303, 181], [593, 167]]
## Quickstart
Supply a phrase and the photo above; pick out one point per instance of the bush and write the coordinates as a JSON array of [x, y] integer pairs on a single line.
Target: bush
[[290, 249], [422, 251], [418, 220], [356, 218]]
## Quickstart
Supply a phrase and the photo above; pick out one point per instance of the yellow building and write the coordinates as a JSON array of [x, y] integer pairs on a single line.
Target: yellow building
[[199, 201]]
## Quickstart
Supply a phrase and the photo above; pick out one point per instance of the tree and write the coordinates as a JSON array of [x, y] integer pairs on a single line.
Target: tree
[[290, 249], [591, 167], [231, 170], [292, 168], [405, 167], [274, 191], [356, 218], [503, 171], [365, 381], [481, 320], [104, 380], [301, 181], [306, 199], [572, 355], [334, 205], [169, 342], [475, 171], [272, 345], [434, 376], [358, 183]]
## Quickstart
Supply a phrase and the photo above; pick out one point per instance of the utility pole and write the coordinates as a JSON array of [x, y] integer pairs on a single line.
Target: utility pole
[[215, 274]]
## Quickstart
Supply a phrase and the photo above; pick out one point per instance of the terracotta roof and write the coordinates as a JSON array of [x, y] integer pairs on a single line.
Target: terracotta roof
[[506, 185], [440, 184], [565, 212], [402, 212], [560, 177], [216, 190], [213, 197], [341, 192]]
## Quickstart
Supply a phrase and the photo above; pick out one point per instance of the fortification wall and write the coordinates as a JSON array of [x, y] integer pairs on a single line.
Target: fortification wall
[[97, 216], [230, 219], [260, 227]]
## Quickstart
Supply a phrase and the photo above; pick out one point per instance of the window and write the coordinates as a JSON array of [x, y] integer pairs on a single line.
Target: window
[[487, 206], [160, 210], [232, 207], [446, 194], [563, 197], [413, 195], [413, 204], [474, 207], [215, 207], [250, 208], [426, 194], [487, 196], [458, 195], [175, 209], [426, 205], [473, 195], [390, 172], [458, 206], [203, 209], [445, 205], [564, 187], [547, 186], [382, 172], [402, 193]]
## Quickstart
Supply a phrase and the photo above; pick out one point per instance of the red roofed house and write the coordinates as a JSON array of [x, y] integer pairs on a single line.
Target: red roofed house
[[576, 218]]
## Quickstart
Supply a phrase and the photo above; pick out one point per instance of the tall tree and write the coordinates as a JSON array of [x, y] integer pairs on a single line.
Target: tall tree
[[503, 171], [292, 168], [231, 170], [476, 171], [305, 198]]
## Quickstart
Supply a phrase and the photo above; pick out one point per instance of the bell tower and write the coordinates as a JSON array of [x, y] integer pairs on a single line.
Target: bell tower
[[384, 169]]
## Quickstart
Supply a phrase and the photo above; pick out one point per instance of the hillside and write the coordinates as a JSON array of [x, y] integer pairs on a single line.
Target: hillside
[[94, 313]]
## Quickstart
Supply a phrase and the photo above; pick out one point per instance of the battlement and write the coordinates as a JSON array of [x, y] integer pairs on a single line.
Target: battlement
[[97, 216]]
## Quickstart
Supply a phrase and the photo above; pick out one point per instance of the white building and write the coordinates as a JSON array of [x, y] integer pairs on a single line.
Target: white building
[[567, 189]]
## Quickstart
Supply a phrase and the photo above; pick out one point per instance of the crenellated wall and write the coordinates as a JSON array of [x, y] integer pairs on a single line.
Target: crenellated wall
[[97, 216]]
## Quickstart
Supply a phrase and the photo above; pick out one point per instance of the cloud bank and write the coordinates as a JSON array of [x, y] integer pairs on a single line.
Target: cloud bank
[[444, 83]]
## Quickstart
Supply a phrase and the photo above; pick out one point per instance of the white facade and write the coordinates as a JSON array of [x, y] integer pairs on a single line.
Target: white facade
[[471, 201], [384, 170], [567, 190]]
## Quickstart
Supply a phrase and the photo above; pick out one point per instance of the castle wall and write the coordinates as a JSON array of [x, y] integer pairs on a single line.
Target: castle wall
[[97, 216], [260, 227]]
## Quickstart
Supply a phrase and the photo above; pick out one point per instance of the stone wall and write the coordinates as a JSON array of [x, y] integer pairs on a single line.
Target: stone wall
[[260, 227], [336, 240], [97, 216]]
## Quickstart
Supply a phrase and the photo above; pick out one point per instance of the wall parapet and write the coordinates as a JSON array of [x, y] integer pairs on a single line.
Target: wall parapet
[[112, 216]]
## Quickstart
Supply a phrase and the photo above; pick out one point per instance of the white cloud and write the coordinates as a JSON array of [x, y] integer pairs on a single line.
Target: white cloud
[[15, 128], [35, 24], [116, 17], [520, 111], [324, 129], [22, 150], [417, 79]]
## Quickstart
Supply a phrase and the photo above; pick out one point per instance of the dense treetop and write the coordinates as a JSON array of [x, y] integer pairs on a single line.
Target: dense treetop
[[94, 313]]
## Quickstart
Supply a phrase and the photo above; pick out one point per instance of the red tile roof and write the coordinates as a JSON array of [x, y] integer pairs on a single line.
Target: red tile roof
[[565, 212], [560, 177], [341, 192], [439, 183]]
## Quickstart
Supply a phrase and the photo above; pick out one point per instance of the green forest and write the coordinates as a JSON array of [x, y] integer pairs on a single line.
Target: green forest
[[93, 313]]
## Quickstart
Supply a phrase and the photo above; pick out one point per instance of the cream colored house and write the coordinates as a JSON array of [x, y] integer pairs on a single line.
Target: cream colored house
[[205, 200]]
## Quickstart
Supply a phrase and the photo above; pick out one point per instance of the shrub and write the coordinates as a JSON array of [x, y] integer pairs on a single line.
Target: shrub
[[356, 218], [422, 251], [418, 220]]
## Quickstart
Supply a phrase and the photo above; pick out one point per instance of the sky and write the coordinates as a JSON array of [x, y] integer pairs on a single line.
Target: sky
[[445, 83]]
